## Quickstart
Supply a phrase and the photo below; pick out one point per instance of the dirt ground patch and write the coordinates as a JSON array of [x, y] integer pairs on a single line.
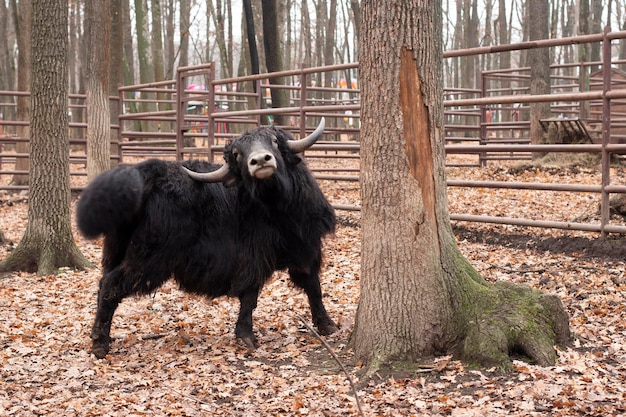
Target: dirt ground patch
[[175, 354]]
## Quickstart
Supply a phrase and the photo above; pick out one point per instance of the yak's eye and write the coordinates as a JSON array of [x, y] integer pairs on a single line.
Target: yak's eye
[[275, 142], [235, 153]]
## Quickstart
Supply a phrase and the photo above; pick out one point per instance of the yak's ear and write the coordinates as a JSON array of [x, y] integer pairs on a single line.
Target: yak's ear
[[293, 158], [289, 157]]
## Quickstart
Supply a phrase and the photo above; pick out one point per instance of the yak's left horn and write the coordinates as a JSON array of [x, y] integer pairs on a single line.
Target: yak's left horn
[[213, 176], [297, 146]]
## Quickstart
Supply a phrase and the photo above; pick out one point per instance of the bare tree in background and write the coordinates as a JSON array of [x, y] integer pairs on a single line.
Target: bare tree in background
[[98, 28], [274, 56], [116, 53], [539, 62], [23, 27], [7, 54], [184, 30]]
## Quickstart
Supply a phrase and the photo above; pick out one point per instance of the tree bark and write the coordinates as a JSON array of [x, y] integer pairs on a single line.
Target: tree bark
[[98, 28], [419, 295], [47, 243]]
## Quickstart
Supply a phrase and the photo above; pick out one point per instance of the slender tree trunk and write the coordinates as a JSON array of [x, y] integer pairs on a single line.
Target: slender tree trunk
[[23, 84], [47, 243], [170, 52], [7, 37], [503, 32], [356, 11], [251, 36], [129, 62], [157, 43], [274, 56], [539, 61], [219, 20], [419, 295], [116, 74], [146, 70], [98, 114], [185, 12], [75, 37], [307, 56], [596, 27]]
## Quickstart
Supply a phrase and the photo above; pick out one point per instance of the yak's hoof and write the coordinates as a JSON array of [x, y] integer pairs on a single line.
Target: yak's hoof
[[249, 341], [327, 328], [100, 349]]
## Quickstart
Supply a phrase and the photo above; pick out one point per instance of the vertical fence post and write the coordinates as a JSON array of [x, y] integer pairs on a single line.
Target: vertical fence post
[[211, 110], [482, 161], [180, 113], [259, 99], [121, 109], [303, 93], [606, 131]]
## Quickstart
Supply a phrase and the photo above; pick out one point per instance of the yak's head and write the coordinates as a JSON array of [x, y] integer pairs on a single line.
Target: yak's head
[[258, 155]]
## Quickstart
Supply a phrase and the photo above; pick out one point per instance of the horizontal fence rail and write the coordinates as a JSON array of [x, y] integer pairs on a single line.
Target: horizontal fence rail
[[195, 114]]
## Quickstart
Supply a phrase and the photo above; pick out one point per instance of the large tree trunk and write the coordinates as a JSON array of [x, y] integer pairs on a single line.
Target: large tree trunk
[[47, 243], [419, 295], [98, 114]]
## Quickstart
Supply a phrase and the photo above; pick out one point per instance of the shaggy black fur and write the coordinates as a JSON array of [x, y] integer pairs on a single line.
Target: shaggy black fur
[[213, 239]]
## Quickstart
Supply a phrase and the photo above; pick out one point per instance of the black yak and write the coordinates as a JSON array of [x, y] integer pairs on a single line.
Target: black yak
[[217, 230]]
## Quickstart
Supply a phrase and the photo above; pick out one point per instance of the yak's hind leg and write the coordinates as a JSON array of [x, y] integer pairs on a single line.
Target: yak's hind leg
[[110, 294], [114, 287], [308, 279]]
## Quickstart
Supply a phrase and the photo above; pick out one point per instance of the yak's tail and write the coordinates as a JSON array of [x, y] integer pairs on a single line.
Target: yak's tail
[[109, 202]]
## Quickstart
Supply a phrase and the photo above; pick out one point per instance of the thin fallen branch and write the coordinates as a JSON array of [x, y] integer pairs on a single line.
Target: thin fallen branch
[[336, 358], [154, 336]]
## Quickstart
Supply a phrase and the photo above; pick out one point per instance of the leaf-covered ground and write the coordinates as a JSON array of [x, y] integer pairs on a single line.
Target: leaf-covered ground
[[175, 354]]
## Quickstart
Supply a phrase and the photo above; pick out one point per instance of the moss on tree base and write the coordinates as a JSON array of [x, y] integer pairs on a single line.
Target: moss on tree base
[[513, 319]]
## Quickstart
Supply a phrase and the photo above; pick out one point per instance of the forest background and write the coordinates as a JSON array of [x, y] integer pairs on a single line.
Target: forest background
[[160, 35]]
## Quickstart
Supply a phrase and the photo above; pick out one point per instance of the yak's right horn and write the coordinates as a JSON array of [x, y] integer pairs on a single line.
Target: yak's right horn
[[214, 176]]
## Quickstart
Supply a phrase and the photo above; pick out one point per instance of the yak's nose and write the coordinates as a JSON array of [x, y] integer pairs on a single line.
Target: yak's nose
[[260, 159]]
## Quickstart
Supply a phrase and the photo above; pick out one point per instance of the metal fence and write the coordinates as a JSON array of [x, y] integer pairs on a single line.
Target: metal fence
[[193, 116]]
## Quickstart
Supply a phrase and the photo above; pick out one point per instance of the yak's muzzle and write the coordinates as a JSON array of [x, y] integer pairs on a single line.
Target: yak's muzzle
[[262, 164]]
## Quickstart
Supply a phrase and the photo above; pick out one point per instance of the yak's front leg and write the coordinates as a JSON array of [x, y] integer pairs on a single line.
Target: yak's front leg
[[308, 279], [243, 329]]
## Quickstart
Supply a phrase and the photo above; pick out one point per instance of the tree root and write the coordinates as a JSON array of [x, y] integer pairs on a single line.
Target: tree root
[[31, 257], [513, 319]]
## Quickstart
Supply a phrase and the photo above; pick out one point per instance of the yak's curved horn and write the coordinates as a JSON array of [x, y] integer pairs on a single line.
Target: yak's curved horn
[[213, 176], [297, 146]]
